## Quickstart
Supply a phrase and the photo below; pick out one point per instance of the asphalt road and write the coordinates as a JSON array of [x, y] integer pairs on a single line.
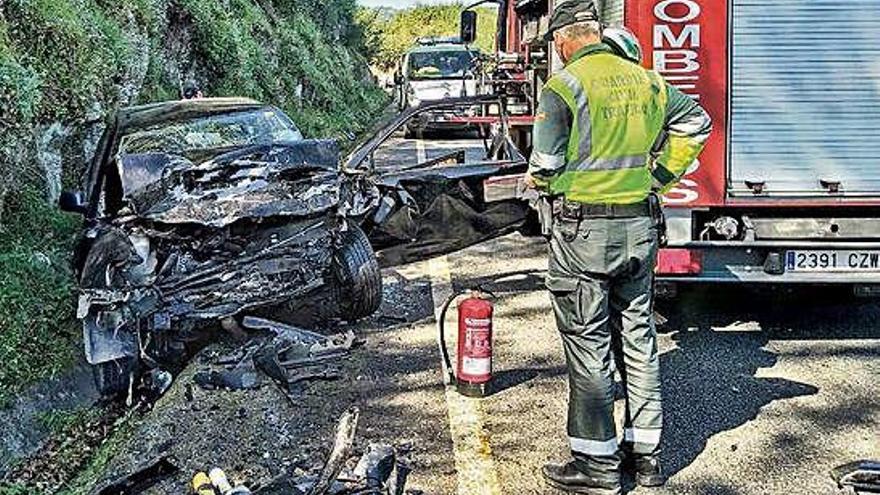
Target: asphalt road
[[397, 152], [764, 392]]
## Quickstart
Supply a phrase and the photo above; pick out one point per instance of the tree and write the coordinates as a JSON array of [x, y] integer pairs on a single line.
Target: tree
[[389, 34]]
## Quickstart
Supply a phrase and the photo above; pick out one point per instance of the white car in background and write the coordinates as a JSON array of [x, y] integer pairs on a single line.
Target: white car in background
[[437, 69]]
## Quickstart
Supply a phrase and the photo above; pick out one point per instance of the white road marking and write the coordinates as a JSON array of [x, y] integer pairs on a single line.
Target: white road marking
[[470, 437]]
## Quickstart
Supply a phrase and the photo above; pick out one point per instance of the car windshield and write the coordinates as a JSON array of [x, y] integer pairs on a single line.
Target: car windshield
[[440, 64], [195, 139], [146, 154]]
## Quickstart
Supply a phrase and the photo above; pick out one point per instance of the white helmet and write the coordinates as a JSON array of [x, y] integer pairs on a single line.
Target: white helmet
[[623, 42]]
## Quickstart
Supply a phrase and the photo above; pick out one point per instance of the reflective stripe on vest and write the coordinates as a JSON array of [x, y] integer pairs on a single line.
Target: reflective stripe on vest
[[618, 110]]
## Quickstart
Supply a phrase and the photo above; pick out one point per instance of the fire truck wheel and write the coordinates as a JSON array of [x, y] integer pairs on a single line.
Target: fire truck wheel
[[358, 281]]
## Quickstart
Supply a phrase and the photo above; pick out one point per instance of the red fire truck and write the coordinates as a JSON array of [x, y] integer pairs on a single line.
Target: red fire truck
[[788, 188]]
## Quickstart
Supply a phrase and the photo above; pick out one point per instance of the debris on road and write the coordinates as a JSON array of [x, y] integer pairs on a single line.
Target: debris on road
[[290, 357], [201, 484], [142, 478], [345, 432], [382, 466], [239, 379], [221, 483], [381, 470], [859, 476]]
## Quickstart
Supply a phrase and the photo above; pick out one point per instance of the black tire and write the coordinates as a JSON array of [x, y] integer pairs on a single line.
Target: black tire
[[113, 378], [358, 280]]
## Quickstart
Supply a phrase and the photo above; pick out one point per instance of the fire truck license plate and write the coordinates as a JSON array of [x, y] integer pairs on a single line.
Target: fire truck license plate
[[832, 261]]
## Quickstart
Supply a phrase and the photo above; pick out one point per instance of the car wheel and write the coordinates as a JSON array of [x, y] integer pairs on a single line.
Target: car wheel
[[113, 378], [358, 281]]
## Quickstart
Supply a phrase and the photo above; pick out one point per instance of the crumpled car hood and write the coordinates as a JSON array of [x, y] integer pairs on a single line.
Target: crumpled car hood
[[297, 181]]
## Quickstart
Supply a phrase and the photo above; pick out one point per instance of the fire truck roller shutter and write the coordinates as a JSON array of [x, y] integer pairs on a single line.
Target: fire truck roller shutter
[[805, 96]]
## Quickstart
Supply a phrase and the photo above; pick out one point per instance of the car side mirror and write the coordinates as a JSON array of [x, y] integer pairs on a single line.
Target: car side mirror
[[468, 27], [72, 202]]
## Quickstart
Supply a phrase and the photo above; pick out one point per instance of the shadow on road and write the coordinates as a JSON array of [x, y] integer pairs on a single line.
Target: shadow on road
[[508, 379], [709, 379]]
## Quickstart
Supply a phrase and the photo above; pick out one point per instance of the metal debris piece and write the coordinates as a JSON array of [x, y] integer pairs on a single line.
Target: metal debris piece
[[142, 478], [397, 485], [159, 380], [345, 432], [861, 476], [402, 469], [239, 379], [296, 355], [334, 344], [284, 331], [376, 465], [221, 482]]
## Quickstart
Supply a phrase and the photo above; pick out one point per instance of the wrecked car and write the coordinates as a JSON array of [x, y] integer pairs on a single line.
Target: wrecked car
[[200, 211]]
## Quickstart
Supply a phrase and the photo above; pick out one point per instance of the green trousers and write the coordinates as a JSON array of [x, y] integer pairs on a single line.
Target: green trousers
[[601, 281]]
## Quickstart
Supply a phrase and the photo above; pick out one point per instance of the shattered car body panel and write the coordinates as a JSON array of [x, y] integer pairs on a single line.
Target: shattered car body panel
[[294, 180], [205, 232]]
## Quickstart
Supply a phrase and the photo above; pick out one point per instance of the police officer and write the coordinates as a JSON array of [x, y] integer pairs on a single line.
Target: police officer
[[594, 151]]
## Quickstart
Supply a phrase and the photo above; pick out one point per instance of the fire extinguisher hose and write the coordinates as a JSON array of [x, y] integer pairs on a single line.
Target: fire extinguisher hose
[[449, 373]]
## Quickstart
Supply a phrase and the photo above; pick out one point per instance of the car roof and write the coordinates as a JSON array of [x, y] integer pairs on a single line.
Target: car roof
[[169, 111]]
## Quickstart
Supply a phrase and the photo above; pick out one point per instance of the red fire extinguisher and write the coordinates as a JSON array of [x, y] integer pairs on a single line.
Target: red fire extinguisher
[[473, 370]]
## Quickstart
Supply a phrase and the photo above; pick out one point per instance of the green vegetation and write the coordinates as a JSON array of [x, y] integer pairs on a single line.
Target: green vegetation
[[67, 64], [77, 455], [15, 489], [83, 482], [389, 34], [37, 297], [58, 422]]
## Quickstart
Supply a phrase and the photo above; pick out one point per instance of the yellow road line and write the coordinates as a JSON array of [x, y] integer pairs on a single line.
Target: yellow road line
[[421, 152], [471, 445], [470, 437]]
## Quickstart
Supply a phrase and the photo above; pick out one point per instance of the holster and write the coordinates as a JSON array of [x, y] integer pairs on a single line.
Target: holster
[[659, 217]]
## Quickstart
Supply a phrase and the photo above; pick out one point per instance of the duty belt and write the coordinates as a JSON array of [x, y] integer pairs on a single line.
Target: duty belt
[[576, 211]]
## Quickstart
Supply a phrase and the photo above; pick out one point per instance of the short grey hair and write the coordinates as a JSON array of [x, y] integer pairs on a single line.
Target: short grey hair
[[580, 30]]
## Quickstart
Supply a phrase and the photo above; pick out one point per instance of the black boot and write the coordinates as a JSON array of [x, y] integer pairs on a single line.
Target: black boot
[[645, 469], [571, 478]]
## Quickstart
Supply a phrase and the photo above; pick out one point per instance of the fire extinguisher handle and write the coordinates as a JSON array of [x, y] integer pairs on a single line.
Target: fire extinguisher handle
[[482, 288]]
